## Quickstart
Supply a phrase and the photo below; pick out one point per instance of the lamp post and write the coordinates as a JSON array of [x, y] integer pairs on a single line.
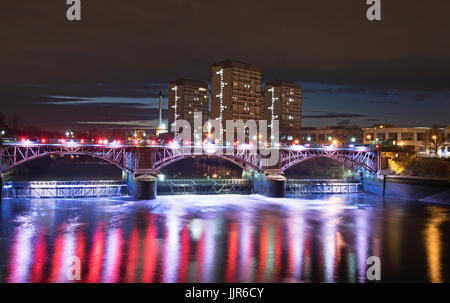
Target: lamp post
[[2, 133], [434, 137]]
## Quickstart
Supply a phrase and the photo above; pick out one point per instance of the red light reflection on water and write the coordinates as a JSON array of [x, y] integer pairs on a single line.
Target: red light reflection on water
[[328, 244], [150, 250], [96, 256], [37, 271], [233, 238], [185, 250]]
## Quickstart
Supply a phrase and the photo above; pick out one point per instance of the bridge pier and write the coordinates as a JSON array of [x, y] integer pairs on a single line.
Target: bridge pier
[[141, 187], [272, 184], [1, 187]]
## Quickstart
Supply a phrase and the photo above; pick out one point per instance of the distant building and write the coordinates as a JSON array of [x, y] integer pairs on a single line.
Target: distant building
[[283, 102], [324, 136], [386, 134], [185, 98], [236, 92]]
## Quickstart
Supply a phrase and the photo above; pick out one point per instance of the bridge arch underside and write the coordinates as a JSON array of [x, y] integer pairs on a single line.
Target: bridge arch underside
[[244, 165], [43, 155], [349, 163]]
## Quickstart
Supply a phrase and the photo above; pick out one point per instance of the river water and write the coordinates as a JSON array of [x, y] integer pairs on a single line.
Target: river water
[[223, 238]]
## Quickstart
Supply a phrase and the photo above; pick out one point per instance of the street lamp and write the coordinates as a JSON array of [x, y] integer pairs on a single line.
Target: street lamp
[[434, 137], [2, 133]]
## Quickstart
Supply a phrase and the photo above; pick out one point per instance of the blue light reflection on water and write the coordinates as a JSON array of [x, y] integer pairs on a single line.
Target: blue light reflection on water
[[224, 238]]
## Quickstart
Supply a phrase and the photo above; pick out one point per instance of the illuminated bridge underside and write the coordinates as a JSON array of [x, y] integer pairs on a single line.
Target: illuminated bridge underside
[[244, 158], [151, 159]]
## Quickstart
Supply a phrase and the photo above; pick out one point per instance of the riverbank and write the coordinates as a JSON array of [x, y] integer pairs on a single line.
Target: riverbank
[[431, 190]]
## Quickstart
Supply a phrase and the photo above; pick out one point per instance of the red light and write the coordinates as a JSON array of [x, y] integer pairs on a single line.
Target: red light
[[119, 142], [135, 142], [377, 146], [100, 141], [23, 140], [153, 142], [235, 143], [82, 141], [170, 142], [63, 140], [186, 143], [43, 140]]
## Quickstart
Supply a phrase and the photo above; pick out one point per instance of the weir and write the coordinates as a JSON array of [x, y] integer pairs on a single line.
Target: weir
[[64, 189], [205, 186], [325, 186], [142, 190]]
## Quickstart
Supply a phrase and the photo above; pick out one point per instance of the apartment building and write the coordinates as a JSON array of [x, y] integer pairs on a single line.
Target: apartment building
[[185, 98], [283, 102], [236, 92]]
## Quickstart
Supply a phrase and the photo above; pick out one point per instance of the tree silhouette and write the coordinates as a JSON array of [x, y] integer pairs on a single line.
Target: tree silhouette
[[434, 138]]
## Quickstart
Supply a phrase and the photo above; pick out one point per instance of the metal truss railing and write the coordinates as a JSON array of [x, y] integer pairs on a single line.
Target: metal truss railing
[[322, 187], [352, 159], [205, 186], [64, 189]]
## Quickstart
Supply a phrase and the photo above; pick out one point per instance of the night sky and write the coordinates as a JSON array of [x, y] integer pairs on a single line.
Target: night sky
[[107, 69]]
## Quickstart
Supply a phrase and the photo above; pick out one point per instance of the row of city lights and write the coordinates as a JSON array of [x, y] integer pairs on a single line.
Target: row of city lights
[[66, 141], [175, 144]]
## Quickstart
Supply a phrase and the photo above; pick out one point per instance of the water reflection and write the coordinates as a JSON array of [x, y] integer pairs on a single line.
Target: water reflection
[[433, 243], [222, 239]]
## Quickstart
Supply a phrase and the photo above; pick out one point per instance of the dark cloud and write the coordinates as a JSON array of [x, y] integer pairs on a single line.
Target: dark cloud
[[422, 96], [155, 41], [334, 115], [384, 102], [55, 72], [348, 90], [78, 115]]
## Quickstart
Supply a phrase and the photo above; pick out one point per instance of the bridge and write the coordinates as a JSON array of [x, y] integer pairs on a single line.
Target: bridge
[[142, 163], [139, 160]]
